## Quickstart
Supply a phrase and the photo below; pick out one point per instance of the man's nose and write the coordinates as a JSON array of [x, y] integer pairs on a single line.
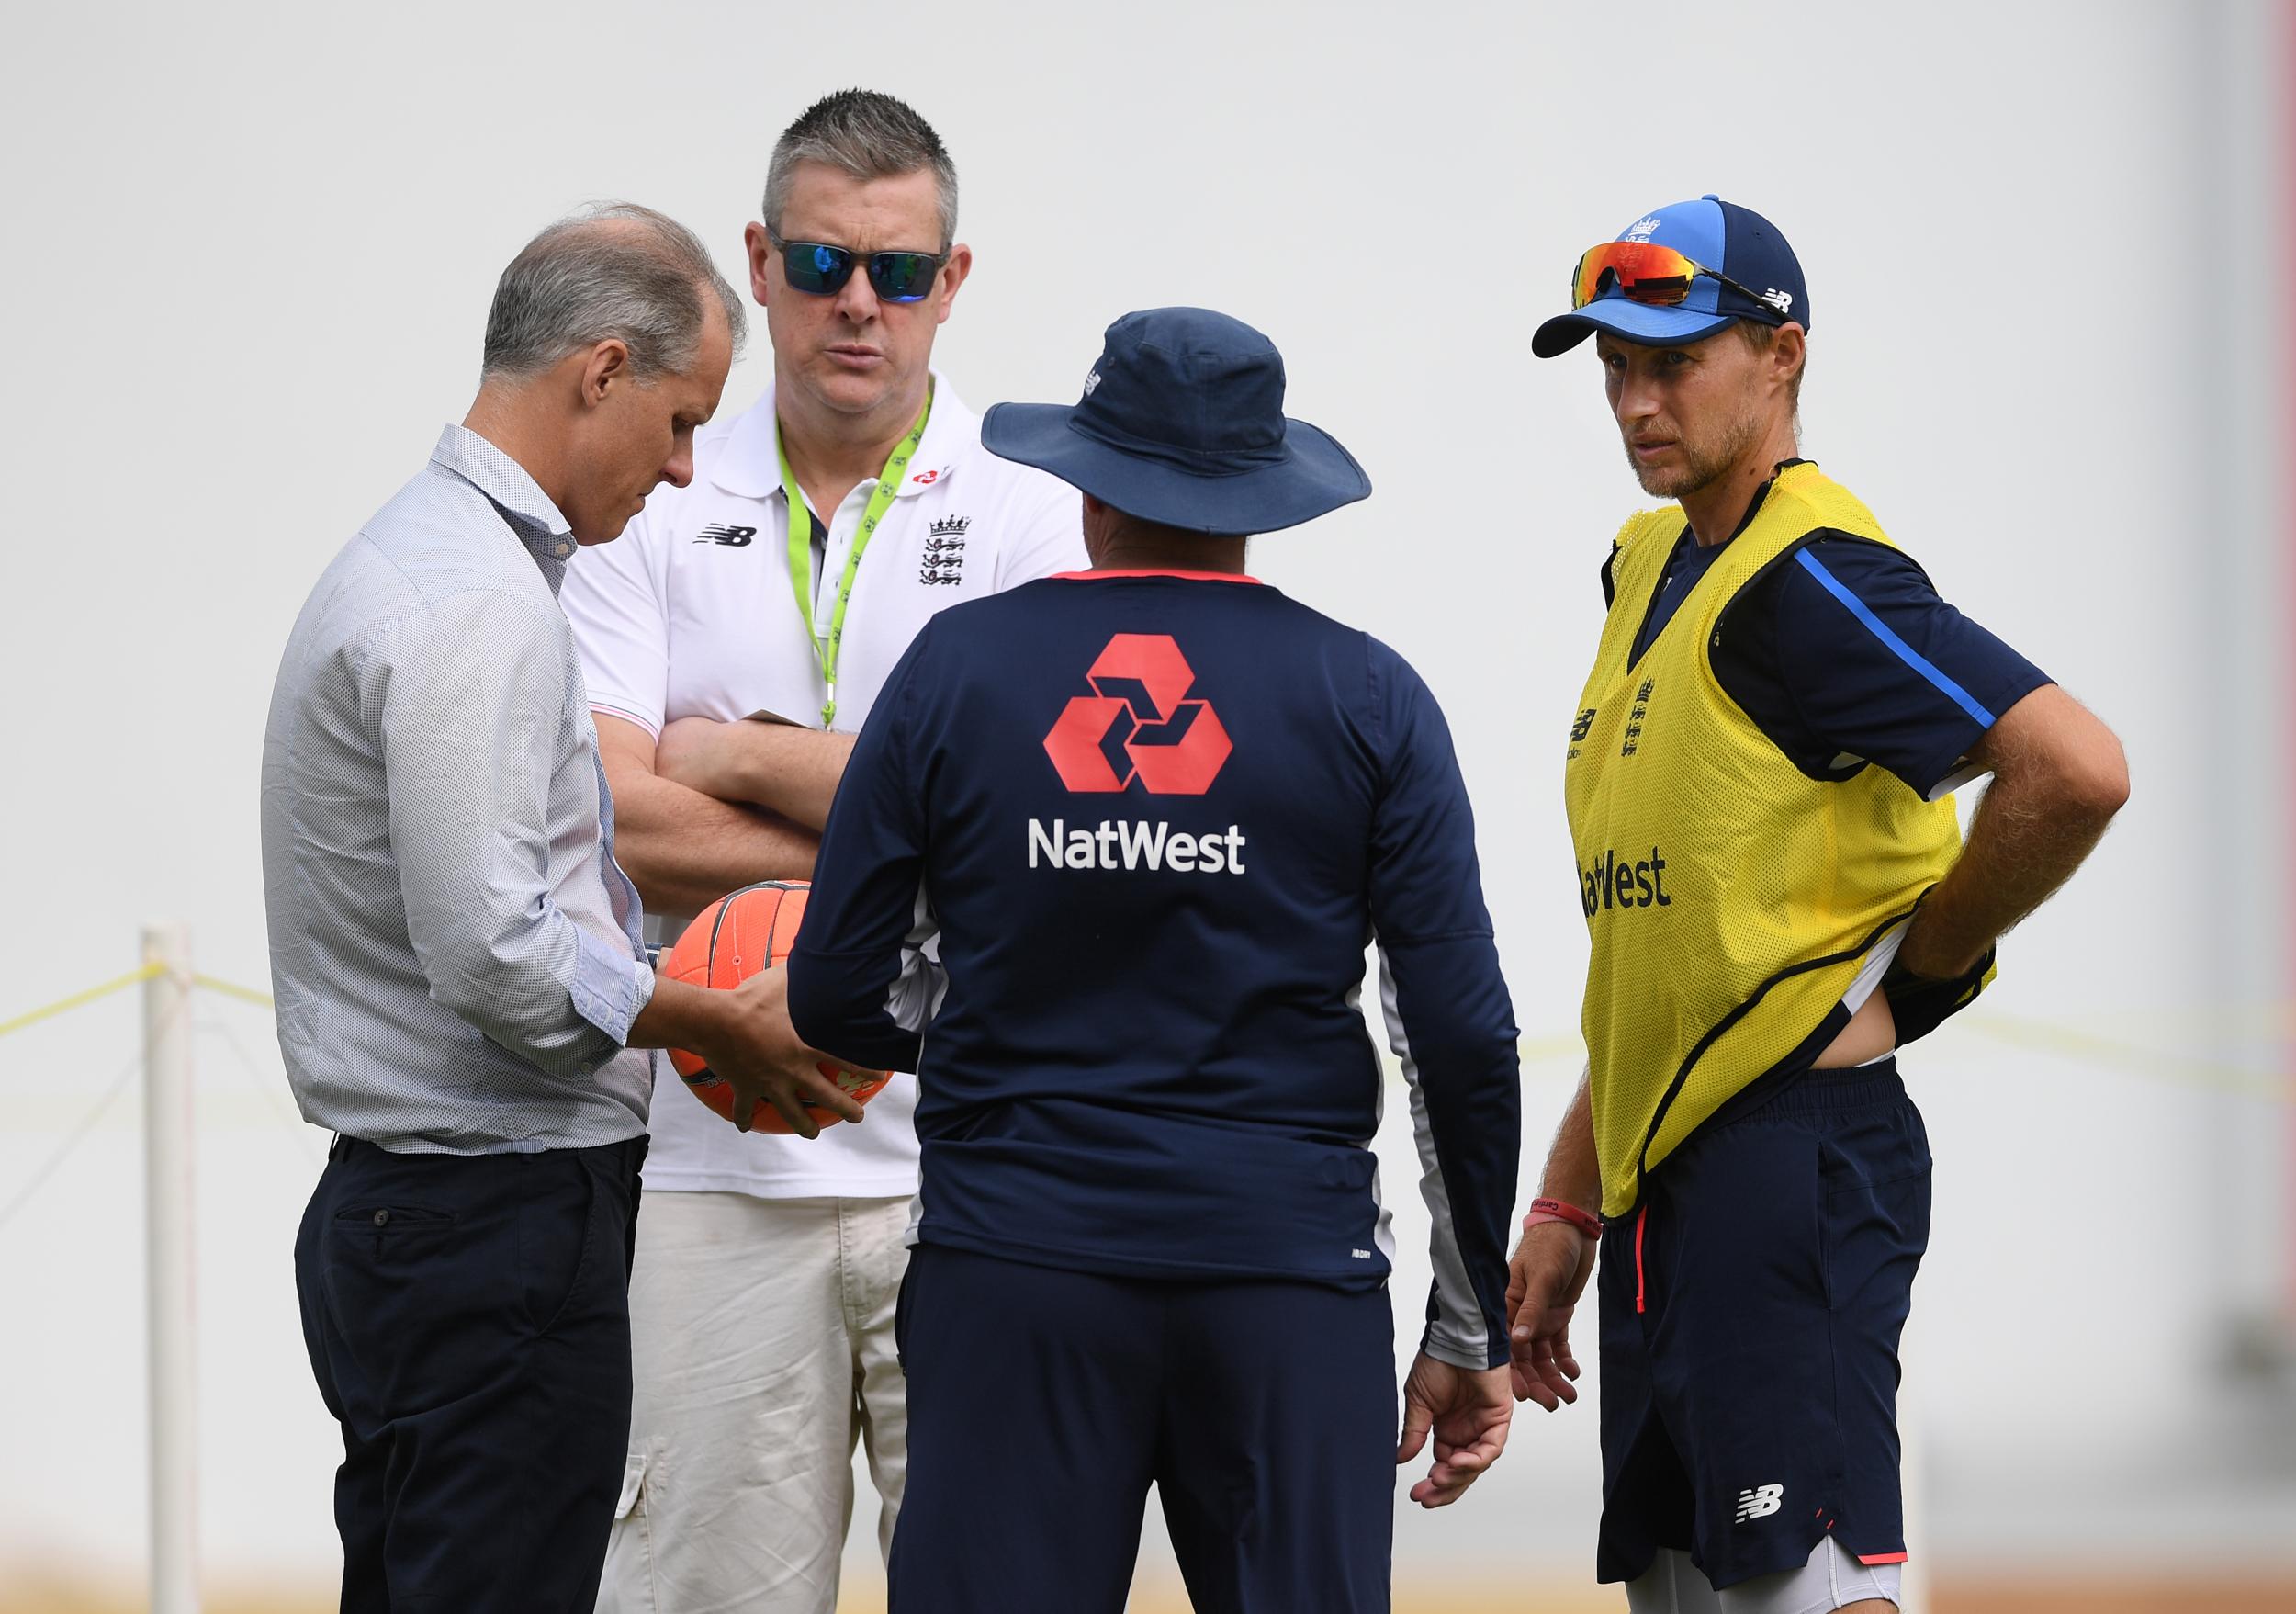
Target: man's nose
[[680, 470], [1637, 399], [857, 299]]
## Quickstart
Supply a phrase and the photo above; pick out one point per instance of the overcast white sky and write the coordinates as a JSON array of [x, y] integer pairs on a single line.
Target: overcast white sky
[[253, 251]]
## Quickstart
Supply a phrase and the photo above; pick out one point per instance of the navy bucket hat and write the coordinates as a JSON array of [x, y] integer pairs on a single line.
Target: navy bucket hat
[[1182, 423], [1724, 237]]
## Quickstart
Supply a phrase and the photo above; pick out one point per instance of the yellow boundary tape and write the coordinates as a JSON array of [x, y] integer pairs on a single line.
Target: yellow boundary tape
[[244, 994], [117, 984], [2242, 1081], [134, 978]]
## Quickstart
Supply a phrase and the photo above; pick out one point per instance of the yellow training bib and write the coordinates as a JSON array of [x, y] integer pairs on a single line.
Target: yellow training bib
[[1730, 897]]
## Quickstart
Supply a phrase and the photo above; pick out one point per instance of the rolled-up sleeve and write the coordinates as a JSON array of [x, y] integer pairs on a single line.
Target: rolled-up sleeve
[[468, 693]]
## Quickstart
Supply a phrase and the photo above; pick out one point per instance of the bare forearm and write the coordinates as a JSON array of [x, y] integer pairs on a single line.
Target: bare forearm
[[2019, 852], [792, 772], [1573, 1175], [2058, 778], [788, 771], [685, 849], [678, 1016]]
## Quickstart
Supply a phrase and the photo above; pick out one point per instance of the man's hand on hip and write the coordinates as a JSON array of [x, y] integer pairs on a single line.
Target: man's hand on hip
[[1551, 1264], [1467, 1411]]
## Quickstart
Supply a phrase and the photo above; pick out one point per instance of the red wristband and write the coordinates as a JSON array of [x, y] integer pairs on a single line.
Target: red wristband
[[1585, 1221]]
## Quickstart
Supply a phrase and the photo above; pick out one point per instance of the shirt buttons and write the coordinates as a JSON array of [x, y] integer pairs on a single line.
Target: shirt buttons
[[382, 1218], [563, 551]]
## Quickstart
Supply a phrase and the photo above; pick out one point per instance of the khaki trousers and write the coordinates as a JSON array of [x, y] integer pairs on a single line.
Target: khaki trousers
[[761, 1335]]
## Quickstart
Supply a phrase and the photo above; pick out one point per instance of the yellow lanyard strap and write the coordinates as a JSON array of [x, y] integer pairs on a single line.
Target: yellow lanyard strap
[[801, 550]]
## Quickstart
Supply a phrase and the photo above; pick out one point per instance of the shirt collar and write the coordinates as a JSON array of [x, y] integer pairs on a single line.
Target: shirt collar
[[749, 466], [1753, 505], [546, 534]]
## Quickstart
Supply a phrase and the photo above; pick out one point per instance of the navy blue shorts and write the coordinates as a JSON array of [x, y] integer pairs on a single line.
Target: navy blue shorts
[[1043, 1402], [1751, 1312]]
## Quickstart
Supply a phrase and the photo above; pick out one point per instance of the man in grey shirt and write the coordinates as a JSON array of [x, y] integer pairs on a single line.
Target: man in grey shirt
[[463, 996]]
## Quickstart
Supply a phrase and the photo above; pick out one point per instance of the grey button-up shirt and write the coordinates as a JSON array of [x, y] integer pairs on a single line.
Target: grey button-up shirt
[[455, 951]]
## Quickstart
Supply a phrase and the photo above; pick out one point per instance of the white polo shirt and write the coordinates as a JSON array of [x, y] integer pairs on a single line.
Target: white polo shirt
[[691, 613]]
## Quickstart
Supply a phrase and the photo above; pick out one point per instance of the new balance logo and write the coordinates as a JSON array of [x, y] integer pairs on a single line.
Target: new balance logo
[[1781, 300], [733, 537], [1759, 1503], [1092, 383]]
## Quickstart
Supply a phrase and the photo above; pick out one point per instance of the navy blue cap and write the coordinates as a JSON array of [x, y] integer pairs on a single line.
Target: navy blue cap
[[1717, 235], [1182, 423]]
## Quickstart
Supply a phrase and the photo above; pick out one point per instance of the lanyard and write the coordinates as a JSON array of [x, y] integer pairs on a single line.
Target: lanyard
[[801, 550]]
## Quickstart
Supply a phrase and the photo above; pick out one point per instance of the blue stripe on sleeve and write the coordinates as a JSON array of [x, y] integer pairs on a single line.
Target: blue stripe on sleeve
[[1904, 651]]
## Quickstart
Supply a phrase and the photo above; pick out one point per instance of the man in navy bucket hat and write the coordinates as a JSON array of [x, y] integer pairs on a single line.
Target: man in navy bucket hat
[[1777, 896], [1101, 870]]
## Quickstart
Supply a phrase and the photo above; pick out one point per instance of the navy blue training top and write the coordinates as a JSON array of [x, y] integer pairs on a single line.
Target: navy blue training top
[[1153, 819], [1845, 655]]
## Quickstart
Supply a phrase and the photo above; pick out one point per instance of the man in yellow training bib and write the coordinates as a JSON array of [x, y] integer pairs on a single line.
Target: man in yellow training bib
[[1758, 779]]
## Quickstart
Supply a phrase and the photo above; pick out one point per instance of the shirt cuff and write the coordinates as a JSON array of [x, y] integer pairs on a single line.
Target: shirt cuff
[[1444, 1345], [610, 987]]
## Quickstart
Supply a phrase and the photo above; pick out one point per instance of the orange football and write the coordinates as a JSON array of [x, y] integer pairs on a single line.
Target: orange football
[[731, 940]]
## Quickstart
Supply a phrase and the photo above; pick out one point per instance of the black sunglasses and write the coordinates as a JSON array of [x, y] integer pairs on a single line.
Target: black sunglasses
[[821, 269]]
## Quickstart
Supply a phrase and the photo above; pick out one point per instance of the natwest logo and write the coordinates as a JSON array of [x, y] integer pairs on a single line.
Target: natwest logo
[[1618, 879], [1137, 724]]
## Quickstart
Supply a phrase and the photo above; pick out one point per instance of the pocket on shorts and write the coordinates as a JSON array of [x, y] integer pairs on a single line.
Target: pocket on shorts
[[1887, 1145], [626, 1583], [1876, 1234], [632, 1502]]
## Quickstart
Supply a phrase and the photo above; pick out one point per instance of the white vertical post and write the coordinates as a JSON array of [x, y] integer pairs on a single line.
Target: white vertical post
[[167, 1137]]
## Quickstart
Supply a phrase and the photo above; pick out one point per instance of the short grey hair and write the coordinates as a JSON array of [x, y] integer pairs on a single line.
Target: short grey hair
[[870, 136], [614, 271]]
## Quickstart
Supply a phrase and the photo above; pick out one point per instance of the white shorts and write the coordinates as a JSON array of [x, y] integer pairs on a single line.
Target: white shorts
[[1830, 1580], [762, 1336]]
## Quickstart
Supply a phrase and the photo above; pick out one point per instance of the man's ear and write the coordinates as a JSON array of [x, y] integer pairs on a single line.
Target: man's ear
[[952, 273], [1790, 351], [759, 248], [608, 367]]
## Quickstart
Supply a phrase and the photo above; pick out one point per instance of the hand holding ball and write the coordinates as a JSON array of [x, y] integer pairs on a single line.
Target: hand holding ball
[[733, 939]]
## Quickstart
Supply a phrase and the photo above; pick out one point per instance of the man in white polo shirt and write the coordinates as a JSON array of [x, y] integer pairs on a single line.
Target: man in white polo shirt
[[767, 1267]]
